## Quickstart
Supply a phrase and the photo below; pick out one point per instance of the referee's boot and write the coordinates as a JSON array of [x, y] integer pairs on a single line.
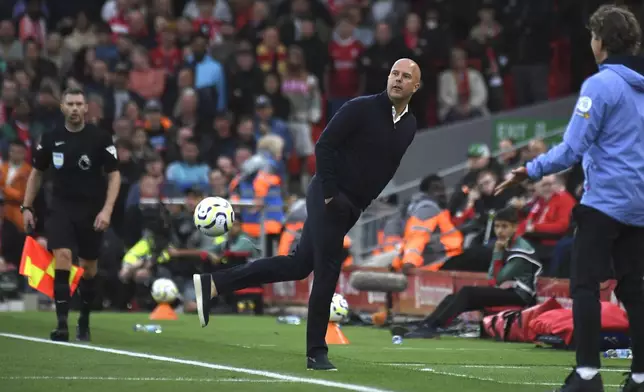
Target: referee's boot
[[631, 386], [83, 334], [574, 383], [203, 292], [59, 335], [320, 362]]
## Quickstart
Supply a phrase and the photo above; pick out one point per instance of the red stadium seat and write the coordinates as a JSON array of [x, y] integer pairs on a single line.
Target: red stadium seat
[[498, 309]]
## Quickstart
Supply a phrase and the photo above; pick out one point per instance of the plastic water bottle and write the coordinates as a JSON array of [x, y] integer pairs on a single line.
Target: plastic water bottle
[[150, 328], [396, 339], [625, 353], [291, 320]]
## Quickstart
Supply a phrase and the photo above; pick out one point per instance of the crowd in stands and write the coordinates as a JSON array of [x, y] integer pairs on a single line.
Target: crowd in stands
[[227, 97], [434, 232]]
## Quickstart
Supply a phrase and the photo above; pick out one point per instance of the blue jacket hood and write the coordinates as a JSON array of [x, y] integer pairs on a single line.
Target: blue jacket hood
[[629, 68]]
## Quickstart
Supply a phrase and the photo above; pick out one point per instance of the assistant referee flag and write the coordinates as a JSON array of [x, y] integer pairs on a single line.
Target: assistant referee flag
[[38, 265]]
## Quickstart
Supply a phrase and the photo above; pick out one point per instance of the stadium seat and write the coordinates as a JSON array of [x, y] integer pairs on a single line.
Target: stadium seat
[[498, 309]]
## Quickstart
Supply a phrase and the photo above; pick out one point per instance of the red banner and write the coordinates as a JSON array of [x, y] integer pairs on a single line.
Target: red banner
[[424, 292]]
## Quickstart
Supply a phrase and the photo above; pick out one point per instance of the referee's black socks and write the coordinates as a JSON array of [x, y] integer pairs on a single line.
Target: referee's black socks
[[87, 290], [61, 296]]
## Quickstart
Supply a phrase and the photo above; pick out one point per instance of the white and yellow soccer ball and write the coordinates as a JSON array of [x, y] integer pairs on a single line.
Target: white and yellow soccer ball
[[164, 290], [214, 216], [339, 308]]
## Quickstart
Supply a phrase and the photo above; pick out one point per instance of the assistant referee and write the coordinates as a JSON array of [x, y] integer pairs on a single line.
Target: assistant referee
[[357, 155], [606, 132], [86, 182]]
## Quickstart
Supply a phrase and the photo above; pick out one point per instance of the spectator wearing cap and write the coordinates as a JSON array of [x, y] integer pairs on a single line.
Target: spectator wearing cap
[[462, 92], [478, 158], [246, 80], [188, 172], [157, 126], [144, 80], [208, 72], [266, 124]]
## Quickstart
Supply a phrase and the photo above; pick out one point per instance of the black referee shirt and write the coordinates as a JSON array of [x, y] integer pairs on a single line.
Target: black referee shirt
[[78, 162]]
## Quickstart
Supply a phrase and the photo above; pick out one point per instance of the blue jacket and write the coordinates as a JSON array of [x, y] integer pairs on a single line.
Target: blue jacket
[[606, 132], [209, 72]]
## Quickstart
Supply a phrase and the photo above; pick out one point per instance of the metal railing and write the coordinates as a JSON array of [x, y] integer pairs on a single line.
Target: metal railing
[[457, 169], [236, 204]]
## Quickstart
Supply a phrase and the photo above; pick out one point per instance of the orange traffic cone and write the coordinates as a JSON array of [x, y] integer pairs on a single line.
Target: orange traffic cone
[[163, 311], [334, 335]]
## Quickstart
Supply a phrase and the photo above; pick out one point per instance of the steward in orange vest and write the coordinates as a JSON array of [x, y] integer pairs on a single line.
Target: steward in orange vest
[[429, 237]]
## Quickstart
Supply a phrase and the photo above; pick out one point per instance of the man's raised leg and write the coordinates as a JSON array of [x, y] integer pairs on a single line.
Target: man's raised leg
[[295, 266]]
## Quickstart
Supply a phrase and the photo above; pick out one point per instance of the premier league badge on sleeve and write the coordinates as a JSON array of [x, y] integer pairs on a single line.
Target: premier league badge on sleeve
[[58, 159]]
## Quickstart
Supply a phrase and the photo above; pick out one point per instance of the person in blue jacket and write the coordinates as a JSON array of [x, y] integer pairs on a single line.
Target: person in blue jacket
[[606, 132]]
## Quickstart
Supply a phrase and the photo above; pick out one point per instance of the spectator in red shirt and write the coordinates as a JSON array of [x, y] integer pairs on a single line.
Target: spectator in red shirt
[[342, 79], [167, 55], [205, 23], [549, 219]]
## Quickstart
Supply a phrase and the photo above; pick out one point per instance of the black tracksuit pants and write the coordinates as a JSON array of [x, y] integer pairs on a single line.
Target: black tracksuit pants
[[471, 298], [598, 240], [319, 251]]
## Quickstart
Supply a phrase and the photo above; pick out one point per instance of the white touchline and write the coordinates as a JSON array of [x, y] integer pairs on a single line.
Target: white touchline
[[261, 373], [526, 367], [173, 379], [468, 376]]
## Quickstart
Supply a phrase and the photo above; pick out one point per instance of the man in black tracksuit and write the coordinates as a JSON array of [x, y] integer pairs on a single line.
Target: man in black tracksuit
[[357, 155]]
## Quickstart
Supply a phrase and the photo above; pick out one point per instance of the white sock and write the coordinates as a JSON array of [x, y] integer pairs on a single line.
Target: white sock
[[587, 373], [638, 377]]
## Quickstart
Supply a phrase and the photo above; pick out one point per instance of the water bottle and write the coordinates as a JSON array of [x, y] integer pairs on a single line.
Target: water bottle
[[396, 339], [290, 320], [150, 328], [625, 353]]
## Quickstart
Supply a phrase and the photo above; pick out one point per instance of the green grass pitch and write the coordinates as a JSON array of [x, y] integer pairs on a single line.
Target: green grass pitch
[[247, 354]]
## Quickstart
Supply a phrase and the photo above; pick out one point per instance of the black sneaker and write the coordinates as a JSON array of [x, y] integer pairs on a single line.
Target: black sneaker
[[320, 362], [202, 292], [631, 386], [82, 334], [574, 383], [59, 335]]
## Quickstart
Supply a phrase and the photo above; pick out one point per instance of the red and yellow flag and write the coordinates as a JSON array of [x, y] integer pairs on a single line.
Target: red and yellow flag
[[38, 265]]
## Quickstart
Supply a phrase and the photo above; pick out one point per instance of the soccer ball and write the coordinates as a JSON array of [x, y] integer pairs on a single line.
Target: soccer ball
[[214, 216], [339, 308], [164, 290]]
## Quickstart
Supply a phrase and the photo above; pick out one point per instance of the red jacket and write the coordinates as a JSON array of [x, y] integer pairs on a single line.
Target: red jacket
[[551, 217]]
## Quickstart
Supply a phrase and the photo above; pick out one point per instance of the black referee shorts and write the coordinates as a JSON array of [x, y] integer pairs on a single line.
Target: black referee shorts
[[71, 226]]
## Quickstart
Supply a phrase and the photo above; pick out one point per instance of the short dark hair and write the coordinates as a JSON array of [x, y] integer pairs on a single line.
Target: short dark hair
[[73, 91], [507, 214], [618, 29]]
